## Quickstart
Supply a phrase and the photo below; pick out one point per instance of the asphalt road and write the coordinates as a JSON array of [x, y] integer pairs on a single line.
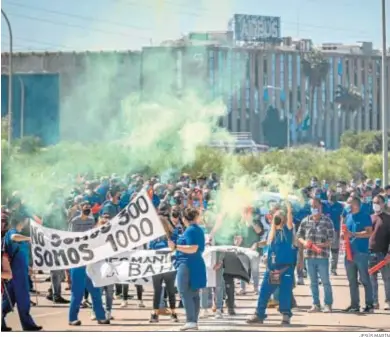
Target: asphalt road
[[54, 317]]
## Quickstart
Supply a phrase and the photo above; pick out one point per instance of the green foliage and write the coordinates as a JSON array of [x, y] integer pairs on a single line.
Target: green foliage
[[364, 142], [315, 67], [349, 99]]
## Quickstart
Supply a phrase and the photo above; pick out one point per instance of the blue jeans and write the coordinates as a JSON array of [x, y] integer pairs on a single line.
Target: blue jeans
[[218, 292], [189, 297], [375, 258], [315, 268], [109, 293], [359, 264], [80, 282], [266, 290], [255, 271]]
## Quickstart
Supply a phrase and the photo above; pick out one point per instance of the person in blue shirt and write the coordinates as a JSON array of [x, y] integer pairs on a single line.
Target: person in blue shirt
[[112, 206], [17, 289], [102, 189], [167, 278], [281, 259], [324, 190], [191, 268], [366, 206], [359, 229], [333, 210]]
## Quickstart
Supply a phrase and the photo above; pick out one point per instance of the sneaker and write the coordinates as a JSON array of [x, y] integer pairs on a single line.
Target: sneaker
[[174, 318], [83, 305], [108, 315], [33, 328], [327, 309], [369, 309], [231, 312], [352, 310], [205, 313], [189, 326], [254, 319], [300, 281], [104, 321], [87, 304], [124, 304], [241, 292], [387, 306], [272, 304], [93, 316], [314, 308], [333, 272], [286, 319], [376, 306], [153, 318], [218, 314], [75, 323], [61, 300]]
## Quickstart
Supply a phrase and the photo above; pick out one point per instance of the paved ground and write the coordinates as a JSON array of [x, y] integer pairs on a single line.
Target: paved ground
[[54, 317]]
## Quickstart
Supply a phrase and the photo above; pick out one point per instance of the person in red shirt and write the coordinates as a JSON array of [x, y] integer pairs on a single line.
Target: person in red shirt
[[379, 246]]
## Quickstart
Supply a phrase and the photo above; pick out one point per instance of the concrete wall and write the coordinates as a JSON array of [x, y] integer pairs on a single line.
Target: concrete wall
[[83, 75]]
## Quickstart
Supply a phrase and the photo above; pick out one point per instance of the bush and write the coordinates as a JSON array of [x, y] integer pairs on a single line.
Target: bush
[[364, 142]]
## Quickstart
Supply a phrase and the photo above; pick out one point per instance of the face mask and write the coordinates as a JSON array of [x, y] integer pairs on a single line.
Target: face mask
[[87, 211], [192, 186], [339, 189], [347, 208], [277, 221], [368, 199], [313, 184], [318, 196], [326, 186], [353, 185], [315, 211], [376, 208]]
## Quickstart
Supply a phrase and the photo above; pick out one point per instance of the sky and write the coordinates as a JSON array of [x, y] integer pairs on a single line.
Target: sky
[[79, 25]]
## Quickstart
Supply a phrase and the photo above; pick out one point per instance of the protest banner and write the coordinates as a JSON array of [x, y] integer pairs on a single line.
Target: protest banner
[[133, 265], [137, 224], [143, 264]]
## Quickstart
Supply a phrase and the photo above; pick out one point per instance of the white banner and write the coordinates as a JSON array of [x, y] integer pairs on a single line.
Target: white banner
[[130, 266], [134, 226], [138, 266]]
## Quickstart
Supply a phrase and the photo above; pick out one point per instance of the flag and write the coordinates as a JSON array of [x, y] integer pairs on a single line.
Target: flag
[[305, 123]]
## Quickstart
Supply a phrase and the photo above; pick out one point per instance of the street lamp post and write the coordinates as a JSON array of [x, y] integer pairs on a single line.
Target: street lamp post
[[385, 167], [9, 81], [288, 115]]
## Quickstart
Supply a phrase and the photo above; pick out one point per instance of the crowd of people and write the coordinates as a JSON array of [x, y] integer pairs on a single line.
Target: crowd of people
[[300, 244]]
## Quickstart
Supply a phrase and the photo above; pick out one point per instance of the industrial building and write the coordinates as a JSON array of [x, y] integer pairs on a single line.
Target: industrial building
[[249, 74]]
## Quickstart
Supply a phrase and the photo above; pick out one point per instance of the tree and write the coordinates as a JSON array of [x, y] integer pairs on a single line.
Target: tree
[[274, 129], [315, 67], [349, 99]]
